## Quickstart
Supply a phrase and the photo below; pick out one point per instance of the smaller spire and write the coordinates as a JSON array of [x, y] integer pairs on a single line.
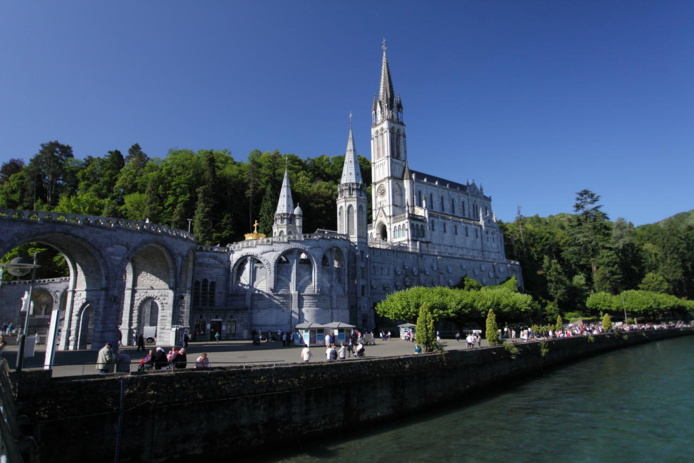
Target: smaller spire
[[351, 173], [285, 204]]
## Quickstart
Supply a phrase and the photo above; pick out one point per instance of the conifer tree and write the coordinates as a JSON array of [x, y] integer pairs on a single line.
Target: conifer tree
[[426, 334], [606, 323], [267, 211], [492, 332], [559, 327]]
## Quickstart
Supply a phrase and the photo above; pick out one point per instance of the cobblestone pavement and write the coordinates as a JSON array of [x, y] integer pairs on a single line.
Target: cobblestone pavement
[[224, 353]]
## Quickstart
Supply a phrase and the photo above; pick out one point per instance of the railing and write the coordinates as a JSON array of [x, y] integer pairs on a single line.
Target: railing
[[288, 238], [12, 442], [107, 222]]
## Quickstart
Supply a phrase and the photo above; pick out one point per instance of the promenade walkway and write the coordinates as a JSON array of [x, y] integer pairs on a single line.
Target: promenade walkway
[[224, 353]]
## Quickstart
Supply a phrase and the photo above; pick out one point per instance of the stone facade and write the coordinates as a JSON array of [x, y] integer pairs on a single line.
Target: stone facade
[[425, 231]]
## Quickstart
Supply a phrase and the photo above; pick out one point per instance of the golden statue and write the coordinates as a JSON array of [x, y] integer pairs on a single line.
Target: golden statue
[[255, 235]]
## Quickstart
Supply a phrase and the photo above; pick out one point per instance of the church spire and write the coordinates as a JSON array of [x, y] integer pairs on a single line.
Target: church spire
[[285, 204], [386, 105], [288, 221], [351, 173]]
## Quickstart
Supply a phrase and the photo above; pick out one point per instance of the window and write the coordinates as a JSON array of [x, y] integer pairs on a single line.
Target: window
[[204, 293]]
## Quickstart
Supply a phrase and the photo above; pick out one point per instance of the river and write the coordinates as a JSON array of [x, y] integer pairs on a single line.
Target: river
[[634, 404]]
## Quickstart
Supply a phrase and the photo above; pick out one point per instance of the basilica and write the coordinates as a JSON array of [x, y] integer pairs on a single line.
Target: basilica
[[423, 231]]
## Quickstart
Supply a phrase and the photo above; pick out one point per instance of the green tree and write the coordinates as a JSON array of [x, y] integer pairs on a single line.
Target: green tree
[[425, 331], [606, 323], [590, 232], [48, 173], [492, 332], [9, 168], [559, 326], [653, 282], [266, 218]]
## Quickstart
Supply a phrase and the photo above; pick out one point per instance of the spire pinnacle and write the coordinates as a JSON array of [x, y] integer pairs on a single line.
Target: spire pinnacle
[[351, 173], [386, 105], [285, 204]]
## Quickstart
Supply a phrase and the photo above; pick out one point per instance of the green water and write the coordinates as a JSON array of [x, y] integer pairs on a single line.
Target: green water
[[632, 405]]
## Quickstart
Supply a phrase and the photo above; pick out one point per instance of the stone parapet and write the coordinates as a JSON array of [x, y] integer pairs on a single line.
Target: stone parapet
[[238, 411]]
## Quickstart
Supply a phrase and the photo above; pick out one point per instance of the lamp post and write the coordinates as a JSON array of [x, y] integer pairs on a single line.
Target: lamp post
[[189, 222], [20, 266]]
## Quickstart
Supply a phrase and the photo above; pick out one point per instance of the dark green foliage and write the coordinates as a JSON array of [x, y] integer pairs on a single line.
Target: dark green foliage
[[49, 174]]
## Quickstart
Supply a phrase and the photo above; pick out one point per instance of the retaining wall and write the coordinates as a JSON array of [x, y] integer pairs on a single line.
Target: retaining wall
[[225, 412]]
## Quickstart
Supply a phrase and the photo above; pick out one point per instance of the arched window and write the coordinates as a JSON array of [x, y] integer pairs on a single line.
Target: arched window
[[211, 297], [204, 292], [452, 206], [350, 220], [433, 226], [431, 201], [462, 211], [443, 206], [419, 198], [196, 293]]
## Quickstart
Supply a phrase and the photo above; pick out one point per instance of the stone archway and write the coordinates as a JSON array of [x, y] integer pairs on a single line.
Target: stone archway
[[149, 279], [382, 231], [85, 327]]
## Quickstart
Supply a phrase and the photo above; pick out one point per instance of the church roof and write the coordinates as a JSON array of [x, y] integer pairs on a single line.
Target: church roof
[[351, 173], [426, 178], [285, 204]]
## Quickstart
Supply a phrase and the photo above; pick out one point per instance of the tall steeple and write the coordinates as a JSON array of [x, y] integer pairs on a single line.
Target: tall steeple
[[387, 106], [351, 195], [288, 220], [388, 156]]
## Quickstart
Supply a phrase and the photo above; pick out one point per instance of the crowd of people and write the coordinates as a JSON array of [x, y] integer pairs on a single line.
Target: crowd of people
[[352, 345]]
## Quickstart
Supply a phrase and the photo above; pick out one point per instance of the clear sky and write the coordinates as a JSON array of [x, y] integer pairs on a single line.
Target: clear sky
[[534, 100]]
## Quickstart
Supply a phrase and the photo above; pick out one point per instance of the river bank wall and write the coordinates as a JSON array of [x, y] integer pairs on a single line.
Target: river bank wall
[[221, 413]]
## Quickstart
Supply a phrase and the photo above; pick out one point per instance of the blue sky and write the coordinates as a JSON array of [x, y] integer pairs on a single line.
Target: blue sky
[[534, 100]]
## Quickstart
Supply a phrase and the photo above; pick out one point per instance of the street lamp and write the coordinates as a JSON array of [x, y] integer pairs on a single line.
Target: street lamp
[[20, 266], [189, 222]]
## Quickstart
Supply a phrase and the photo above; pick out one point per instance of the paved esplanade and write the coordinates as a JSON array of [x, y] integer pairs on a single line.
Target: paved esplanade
[[224, 353]]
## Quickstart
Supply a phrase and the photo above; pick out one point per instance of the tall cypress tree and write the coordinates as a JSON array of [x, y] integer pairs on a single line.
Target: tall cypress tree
[[492, 332], [425, 334]]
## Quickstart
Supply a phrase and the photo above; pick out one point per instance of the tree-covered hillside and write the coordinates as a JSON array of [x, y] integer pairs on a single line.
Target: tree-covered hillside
[[221, 196], [565, 257]]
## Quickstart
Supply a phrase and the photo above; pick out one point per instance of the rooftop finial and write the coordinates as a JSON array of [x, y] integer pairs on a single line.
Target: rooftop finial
[[384, 45], [350, 119]]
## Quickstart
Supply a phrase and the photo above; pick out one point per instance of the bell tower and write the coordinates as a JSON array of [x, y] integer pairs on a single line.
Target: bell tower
[[351, 196], [388, 153]]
